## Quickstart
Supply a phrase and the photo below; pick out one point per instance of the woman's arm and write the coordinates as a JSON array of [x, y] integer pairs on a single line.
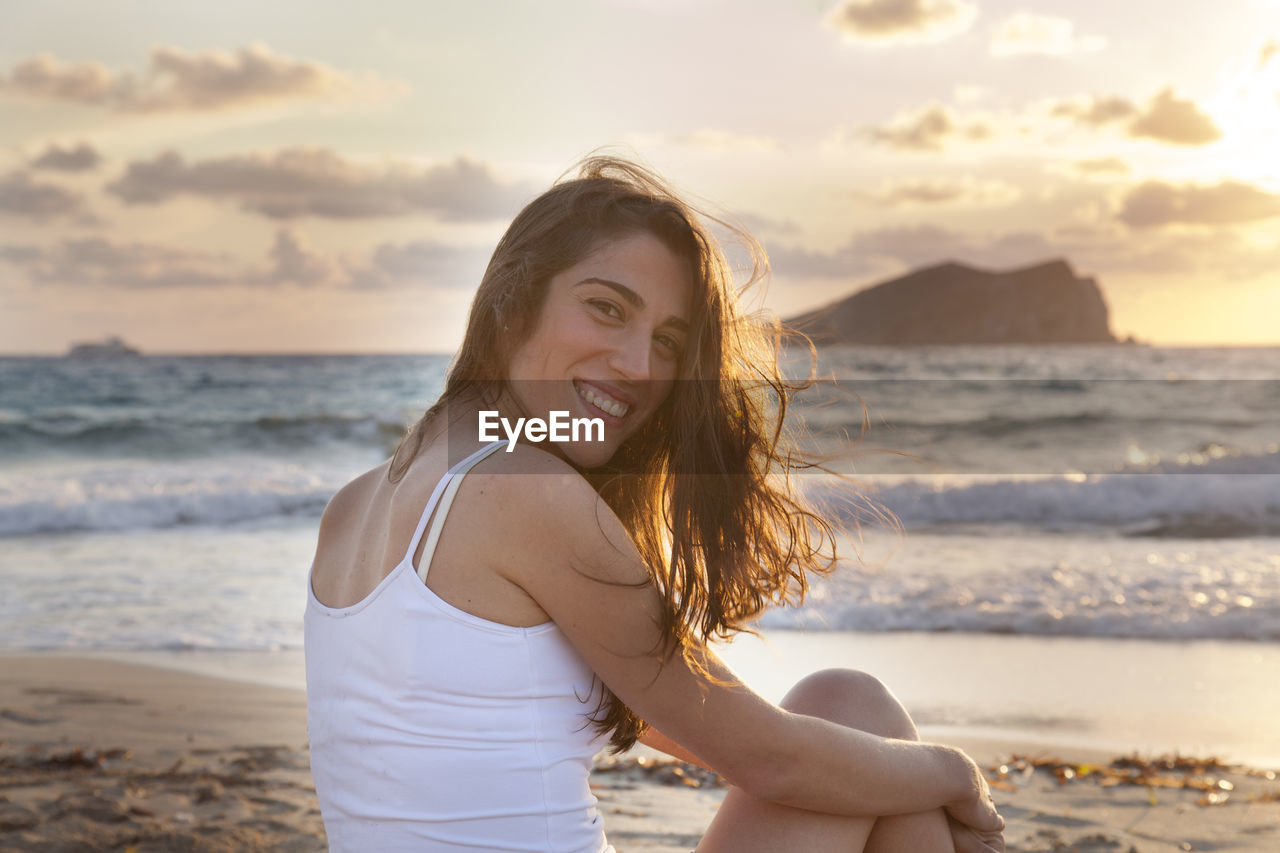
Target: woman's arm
[[554, 537], [655, 739]]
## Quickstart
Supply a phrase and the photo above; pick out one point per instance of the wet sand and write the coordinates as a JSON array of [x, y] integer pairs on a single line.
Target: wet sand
[[101, 755], [97, 755]]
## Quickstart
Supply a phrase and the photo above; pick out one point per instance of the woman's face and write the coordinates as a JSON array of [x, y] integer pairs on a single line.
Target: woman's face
[[607, 342]]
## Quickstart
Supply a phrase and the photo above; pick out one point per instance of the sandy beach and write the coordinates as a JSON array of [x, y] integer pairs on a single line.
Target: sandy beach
[[103, 755]]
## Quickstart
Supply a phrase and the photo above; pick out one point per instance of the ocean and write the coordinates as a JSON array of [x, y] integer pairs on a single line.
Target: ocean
[[1110, 494]]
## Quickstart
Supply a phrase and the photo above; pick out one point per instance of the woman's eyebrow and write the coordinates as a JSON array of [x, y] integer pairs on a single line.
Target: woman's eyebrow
[[634, 299]]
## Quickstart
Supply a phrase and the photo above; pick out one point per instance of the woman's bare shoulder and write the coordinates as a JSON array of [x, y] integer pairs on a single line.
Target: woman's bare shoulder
[[352, 500], [552, 522], [530, 486], [525, 463], [523, 457]]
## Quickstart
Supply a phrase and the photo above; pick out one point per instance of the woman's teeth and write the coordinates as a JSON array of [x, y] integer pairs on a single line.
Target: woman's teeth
[[600, 401]]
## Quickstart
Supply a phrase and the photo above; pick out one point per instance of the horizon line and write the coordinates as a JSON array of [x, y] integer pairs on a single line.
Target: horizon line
[[299, 353]]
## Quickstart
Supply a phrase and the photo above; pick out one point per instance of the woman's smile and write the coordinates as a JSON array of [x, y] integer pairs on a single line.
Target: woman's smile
[[610, 404]]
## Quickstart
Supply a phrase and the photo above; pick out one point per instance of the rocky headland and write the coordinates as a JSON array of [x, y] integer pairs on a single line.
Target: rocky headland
[[951, 303]]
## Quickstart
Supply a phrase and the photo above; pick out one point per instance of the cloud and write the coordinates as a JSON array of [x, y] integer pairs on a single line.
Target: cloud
[[1094, 111], [416, 265], [317, 182], [928, 129], [1171, 119], [1178, 254], [79, 158], [1027, 33], [102, 263], [899, 21], [787, 261], [22, 196], [1156, 203], [292, 262], [97, 262], [1166, 117], [422, 264], [872, 252], [44, 77], [939, 191], [919, 245], [181, 80], [934, 127], [289, 261], [20, 255], [1268, 52], [1104, 248]]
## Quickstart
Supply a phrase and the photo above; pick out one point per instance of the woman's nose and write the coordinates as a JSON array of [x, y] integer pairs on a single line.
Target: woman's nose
[[631, 357]]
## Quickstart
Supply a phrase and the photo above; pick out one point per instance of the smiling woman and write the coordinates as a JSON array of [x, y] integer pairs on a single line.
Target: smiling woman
[[464, 666]]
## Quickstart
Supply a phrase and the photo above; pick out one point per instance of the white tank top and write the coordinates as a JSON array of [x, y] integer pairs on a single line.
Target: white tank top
[[435, 730]]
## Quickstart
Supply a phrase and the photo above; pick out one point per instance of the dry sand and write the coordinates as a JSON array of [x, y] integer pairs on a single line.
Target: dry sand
[[99, 755]]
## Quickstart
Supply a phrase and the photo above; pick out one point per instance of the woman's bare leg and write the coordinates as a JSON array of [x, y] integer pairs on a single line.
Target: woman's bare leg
[[747, 825]]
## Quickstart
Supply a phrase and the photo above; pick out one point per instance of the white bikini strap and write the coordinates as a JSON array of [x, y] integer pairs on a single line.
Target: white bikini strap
[[440, 500]]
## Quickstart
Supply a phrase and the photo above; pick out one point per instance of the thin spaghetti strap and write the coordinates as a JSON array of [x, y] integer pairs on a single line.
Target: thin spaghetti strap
[[439, 502], [437, 524]]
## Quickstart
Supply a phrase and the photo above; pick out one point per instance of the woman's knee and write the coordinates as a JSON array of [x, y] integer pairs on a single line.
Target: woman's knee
[[851, 698]]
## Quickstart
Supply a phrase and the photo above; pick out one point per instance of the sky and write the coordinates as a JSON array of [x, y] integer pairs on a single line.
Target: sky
[[331, 177]]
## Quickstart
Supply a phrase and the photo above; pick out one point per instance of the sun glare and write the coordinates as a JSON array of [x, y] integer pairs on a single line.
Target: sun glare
[[1246, 107]]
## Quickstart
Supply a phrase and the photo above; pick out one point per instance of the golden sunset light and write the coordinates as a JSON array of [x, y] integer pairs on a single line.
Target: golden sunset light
[[312, 179], [640, 426]]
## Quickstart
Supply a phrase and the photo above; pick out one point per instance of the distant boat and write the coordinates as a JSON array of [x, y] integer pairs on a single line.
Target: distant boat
[[108, 348]]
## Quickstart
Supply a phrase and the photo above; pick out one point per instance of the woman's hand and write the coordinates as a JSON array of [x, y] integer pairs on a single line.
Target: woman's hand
[[976, 826]]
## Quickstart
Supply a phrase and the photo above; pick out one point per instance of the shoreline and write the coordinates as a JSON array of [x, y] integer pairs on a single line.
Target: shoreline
[[117, 755], [1087, 696]]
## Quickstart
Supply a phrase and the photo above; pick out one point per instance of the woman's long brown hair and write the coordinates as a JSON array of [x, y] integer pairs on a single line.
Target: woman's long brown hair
[[705, 487]]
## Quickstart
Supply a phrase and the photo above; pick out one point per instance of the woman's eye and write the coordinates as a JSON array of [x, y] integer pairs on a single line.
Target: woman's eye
[[669, 343], [606, 307]]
